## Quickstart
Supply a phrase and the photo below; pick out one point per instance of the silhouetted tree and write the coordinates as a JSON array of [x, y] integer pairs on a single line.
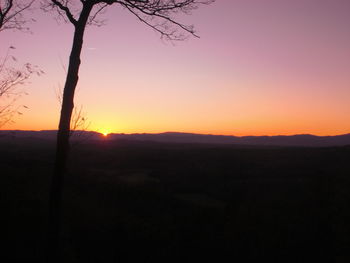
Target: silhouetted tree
[[10, 80], [11, 17], [157, 14]]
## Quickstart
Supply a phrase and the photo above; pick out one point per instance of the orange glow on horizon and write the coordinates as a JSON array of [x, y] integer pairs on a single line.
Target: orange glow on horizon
[[246, 126], [279, 70]]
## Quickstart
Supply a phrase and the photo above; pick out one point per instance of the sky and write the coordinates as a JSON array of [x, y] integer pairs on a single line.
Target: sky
[[260, 67]]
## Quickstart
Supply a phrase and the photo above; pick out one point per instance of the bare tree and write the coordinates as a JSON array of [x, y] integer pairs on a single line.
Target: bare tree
[[11, 77], [10, 80], [157, 14], [11, 14]]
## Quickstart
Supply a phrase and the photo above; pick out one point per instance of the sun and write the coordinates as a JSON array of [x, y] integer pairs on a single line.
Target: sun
[[105, 133]]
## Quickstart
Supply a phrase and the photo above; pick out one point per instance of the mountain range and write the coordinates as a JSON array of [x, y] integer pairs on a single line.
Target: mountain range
[[301, 140]]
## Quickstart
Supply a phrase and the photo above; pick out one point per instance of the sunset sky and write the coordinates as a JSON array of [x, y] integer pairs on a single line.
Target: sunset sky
[[261, 67]]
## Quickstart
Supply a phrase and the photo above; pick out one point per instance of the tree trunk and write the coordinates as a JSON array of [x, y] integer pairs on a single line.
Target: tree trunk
[[62, 143]]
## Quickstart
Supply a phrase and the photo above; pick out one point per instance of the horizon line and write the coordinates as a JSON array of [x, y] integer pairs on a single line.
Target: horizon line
[[177, 132]]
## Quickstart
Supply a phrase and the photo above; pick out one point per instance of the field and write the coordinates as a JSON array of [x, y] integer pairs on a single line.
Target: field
[[130, 201]]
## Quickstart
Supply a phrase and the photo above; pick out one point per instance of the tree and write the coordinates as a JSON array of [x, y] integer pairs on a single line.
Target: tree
[[11, 17], [157, 14], [10, 79]]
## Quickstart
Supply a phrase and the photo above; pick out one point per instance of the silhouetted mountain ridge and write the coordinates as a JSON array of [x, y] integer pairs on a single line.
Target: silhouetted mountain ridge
[[303, 140]]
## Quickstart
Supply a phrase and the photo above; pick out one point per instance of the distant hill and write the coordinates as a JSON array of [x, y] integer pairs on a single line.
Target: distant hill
[[293, 140], [302, 140]]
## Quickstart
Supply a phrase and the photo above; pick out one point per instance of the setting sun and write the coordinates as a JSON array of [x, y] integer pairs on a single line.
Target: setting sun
[[105, 133], [164, 130]]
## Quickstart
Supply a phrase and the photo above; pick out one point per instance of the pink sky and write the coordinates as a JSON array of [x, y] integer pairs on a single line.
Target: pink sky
[[260, 67]]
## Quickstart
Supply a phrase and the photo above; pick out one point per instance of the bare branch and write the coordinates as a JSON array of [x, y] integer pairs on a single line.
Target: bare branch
[[93, 18], [156, 14], [66, 10], [79, 122], [11, 14], [163, 33], [11, 78]]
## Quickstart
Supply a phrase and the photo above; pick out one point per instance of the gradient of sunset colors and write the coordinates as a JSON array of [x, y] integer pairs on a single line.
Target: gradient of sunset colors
[[261, 67]]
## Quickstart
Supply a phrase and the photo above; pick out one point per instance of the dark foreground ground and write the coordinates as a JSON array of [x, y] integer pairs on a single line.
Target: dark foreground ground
[[148, 202]]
